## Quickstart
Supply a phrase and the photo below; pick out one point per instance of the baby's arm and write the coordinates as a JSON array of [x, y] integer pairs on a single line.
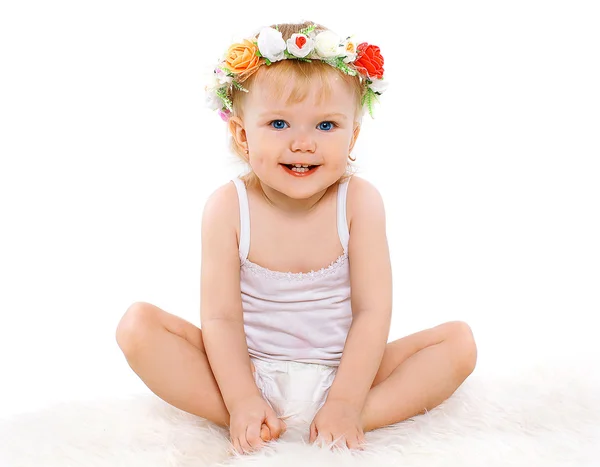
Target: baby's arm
[[251, 417], [221, 307], [371, 282]]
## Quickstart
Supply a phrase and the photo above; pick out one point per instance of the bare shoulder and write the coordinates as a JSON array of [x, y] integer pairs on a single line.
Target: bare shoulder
[[222, 205], [370, 266], [364, 201], [220, 270]]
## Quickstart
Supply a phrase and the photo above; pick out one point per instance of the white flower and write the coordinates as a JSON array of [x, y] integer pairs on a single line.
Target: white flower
[[327, 45], [300, 45], [222, 77], [217, 79], [349, 49], [378, 85], [212, 100], [271, 44]]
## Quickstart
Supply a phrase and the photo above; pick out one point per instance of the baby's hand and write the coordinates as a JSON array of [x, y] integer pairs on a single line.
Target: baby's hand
[[338, 423], [248, 420]]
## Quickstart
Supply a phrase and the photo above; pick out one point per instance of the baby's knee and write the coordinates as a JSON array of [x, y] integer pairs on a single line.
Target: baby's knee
[[134, 324]]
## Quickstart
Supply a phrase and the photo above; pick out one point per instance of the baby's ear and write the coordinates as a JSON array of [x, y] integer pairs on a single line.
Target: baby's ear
[[236, 127], [355, 134]]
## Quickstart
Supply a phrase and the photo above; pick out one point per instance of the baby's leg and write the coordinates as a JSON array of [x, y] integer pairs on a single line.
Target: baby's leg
[[168, 354]]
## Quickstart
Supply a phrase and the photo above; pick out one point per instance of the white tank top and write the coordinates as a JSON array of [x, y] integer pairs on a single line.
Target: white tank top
[[303, 317]]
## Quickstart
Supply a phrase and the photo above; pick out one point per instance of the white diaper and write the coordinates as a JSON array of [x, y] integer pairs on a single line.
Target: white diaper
[[295, 391]]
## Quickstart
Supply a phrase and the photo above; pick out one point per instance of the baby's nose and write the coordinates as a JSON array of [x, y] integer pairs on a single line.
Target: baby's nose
[[303, 143]]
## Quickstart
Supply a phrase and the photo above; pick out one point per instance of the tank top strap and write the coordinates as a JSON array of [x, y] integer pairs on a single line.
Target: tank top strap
[[342, 222], [244, 219]]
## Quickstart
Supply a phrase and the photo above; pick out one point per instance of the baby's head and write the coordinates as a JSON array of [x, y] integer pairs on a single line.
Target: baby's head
[[296, 93]]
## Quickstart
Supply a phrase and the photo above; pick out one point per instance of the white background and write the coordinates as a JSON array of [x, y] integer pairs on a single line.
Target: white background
[[486, 149]]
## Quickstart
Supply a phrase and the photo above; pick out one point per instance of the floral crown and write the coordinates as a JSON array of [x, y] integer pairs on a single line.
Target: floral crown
[[243, 59]]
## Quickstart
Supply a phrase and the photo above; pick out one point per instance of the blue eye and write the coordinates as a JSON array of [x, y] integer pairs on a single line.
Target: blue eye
[[326, 126], [278, 124]]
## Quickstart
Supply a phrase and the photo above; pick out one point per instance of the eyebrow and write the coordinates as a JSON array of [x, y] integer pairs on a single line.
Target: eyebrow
[[338, 115]]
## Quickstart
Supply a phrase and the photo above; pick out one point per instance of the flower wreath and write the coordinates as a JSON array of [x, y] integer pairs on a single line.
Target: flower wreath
[[243, 59]]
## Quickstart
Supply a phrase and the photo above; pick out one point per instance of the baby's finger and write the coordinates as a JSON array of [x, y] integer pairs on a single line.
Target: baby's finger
[[352, 443], [265, 433], [325, 439], [339, 442], [253, 436], [274, 426], [244, 445], [313, 432], [236, 446], [361, 441]]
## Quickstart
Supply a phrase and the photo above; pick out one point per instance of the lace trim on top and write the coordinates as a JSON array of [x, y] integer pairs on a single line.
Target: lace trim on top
[[295, 276]]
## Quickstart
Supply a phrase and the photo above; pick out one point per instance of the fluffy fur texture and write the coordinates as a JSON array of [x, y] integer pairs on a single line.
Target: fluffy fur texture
[[539, 416]]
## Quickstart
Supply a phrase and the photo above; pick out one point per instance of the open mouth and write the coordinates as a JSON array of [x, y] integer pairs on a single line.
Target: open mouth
[[300, 170]]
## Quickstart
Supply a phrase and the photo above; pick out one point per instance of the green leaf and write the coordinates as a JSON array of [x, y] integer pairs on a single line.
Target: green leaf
[[369, 99], [222, 94], [308, 30], [238, 86], [339, 63]]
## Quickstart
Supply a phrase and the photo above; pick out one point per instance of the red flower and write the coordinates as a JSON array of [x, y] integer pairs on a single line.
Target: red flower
[[369, 61]]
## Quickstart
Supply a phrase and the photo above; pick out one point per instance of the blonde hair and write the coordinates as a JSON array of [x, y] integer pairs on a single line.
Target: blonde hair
[[305, 75]]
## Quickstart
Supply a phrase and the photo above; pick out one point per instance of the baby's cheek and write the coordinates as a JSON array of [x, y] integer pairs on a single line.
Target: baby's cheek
[[258, 162]]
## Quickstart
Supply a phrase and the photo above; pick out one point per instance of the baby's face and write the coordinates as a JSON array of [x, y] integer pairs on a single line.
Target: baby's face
[[317, 131]]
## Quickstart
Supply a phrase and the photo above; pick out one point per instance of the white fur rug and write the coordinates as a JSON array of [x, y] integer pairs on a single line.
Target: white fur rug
[[540, 416]]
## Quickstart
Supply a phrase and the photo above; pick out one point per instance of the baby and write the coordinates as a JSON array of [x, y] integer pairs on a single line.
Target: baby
[[296, 281]]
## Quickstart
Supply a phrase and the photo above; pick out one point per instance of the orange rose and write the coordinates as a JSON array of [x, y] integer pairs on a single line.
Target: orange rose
[[242, 60], [370, 61]]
